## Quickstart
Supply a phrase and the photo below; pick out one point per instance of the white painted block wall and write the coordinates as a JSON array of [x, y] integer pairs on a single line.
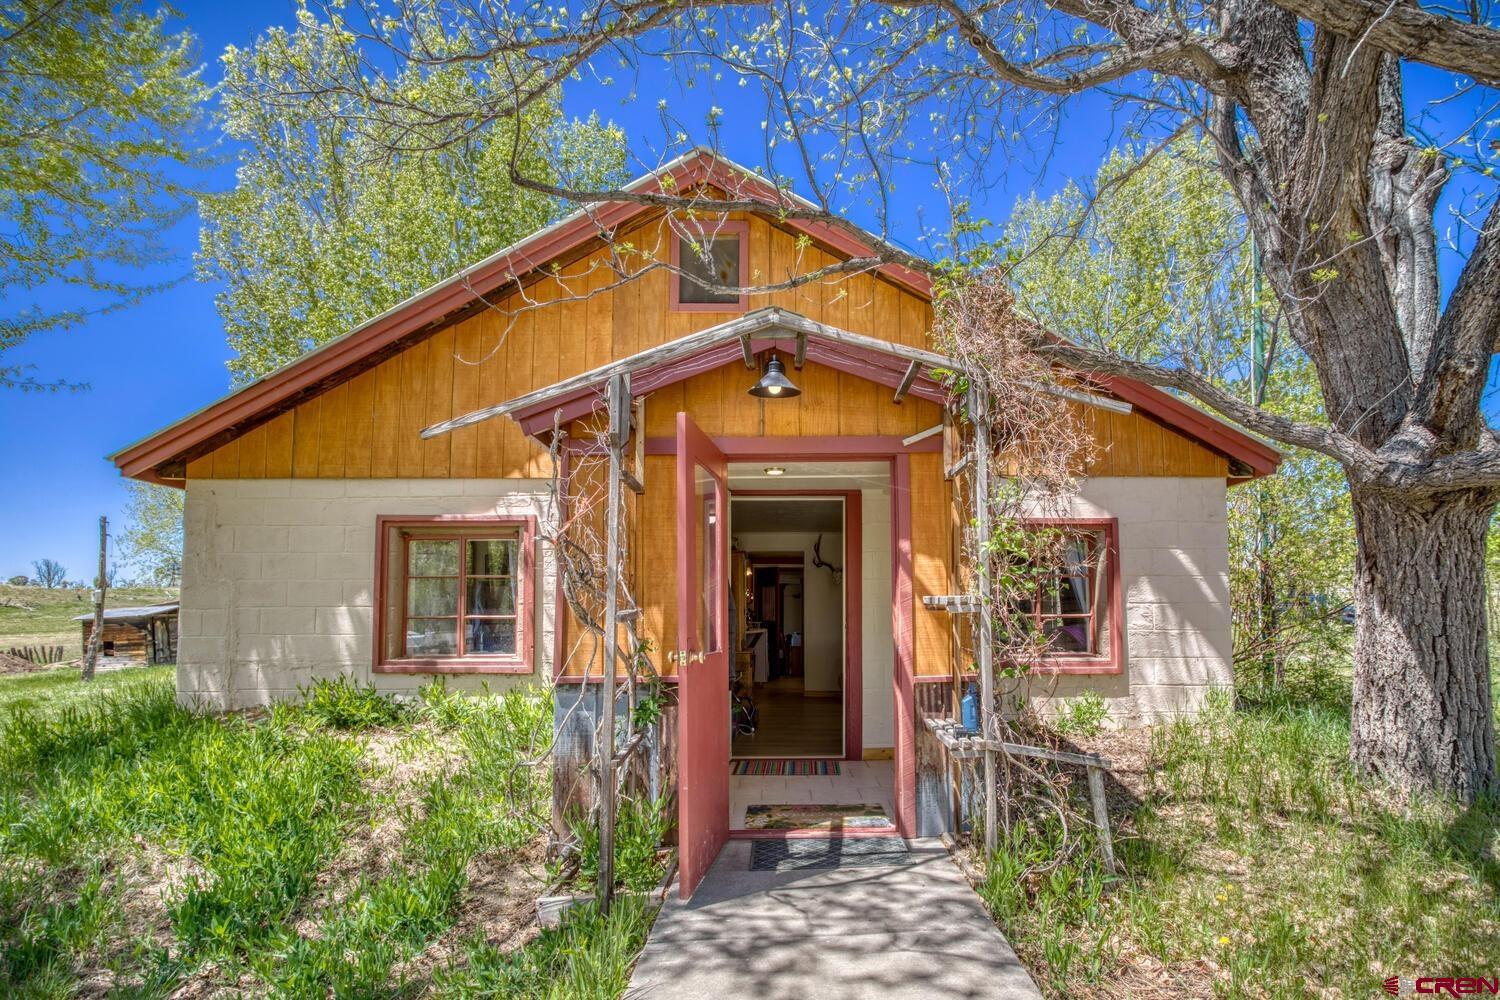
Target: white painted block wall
[[1174, 570], [278, 581]]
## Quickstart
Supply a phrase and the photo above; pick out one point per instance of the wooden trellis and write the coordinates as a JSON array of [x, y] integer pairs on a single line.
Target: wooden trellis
[[987, 747]]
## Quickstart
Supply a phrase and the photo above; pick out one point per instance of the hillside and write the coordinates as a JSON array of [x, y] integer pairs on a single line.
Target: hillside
[[37, 616]]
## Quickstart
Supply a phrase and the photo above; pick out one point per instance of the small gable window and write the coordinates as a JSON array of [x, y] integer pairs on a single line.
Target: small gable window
[[717, 257]]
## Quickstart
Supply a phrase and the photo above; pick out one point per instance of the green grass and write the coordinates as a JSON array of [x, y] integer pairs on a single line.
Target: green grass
[[37, 616], [588, 958], [324, 850], [57, 688], [1257, 864]]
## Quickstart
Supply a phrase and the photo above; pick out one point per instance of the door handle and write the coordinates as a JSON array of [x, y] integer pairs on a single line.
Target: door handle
[[681, 657]]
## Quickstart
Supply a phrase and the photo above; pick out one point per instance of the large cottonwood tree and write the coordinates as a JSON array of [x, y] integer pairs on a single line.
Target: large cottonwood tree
[[1304, 102]]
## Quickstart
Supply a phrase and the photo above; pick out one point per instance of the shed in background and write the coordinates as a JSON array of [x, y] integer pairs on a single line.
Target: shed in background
[[135, 635]]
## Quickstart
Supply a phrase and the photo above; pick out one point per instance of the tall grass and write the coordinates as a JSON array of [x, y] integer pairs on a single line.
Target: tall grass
[[252, 811], [244, 820], [494, 805], [588, 958], [1257, 863]]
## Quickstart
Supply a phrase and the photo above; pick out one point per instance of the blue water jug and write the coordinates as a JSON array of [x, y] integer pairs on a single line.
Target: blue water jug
[[969, 708]]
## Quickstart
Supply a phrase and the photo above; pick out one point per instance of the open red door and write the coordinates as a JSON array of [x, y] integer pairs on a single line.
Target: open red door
[[702, 656]]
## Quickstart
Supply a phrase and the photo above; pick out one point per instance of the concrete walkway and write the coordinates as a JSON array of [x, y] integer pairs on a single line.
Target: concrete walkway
[[898, 931]]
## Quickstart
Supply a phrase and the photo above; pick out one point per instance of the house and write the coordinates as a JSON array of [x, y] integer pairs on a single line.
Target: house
[[135, 635], [325, 534]]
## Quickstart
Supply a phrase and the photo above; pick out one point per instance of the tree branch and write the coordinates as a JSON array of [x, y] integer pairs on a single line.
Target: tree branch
[[1404, 29], [1324, 440]]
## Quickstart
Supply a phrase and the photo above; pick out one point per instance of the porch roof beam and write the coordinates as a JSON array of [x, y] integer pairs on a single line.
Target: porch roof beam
[[906, 381]]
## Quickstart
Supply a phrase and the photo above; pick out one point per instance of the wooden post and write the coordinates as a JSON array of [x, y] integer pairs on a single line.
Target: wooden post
[[979, 413], [619, 436], [96, 641], [1101, 815]]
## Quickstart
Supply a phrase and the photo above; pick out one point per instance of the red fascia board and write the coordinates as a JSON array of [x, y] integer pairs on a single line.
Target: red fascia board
[[1262, 459], [333, 358], [139, 460]]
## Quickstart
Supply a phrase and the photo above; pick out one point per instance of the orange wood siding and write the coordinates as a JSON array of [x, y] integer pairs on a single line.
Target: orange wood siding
[[561, 325], [930, 547], [583, 316], [1131, 444]]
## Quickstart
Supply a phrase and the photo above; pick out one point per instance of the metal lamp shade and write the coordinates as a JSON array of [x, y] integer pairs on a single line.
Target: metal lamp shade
[[774, 384]]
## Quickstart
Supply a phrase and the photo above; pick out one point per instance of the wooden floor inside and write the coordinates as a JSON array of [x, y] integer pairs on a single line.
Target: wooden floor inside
[[792, 724]]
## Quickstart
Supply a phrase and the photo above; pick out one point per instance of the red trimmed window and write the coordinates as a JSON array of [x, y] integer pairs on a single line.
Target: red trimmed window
[[719, 256], [455, 595], [1076, 602]]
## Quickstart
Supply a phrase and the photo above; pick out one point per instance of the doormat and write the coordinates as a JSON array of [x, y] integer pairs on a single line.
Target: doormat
[[770, 766], [853, 852], [799, 816]]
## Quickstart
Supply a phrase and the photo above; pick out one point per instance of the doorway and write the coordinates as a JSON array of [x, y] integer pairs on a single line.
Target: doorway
[[789, 625]]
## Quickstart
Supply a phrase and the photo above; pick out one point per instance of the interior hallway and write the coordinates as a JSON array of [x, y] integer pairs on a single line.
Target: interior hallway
[[792, 724]]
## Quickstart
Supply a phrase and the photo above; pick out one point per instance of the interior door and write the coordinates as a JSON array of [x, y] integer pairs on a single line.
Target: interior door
[[702, 655]]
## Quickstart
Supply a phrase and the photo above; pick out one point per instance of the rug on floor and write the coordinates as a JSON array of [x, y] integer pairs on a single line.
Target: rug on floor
[[800, 816], [853, 852], [774, 767]]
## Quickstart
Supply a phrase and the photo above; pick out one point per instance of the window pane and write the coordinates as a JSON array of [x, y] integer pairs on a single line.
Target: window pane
[[431, 636], [490, 635], [1073, 589], [1073, 595], [1068, 635], [431, 597], [492, 597], [722, 267], [433, 557], [491, 557], [1050, 603]]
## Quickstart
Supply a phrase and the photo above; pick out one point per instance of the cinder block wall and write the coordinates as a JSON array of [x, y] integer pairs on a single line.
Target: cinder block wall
[[278, 581], [1174, 569]]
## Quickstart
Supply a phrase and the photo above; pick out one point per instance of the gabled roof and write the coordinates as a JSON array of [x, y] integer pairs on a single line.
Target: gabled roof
[[906, 370], [388, 332], [161, 457]]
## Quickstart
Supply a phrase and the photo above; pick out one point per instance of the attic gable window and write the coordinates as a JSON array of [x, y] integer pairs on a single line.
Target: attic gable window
[[719, 256]]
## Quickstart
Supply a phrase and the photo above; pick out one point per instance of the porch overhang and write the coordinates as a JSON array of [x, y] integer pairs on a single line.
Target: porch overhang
[[906, 371]]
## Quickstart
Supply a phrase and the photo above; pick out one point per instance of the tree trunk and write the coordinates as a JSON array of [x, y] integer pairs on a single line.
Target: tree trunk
[[1421, 658]]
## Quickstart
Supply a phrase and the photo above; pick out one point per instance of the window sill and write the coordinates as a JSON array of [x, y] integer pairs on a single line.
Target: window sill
[[453, 665], [1078, 665]]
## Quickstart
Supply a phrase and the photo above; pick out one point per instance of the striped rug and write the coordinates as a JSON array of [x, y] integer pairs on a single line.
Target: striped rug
[[770, 766]]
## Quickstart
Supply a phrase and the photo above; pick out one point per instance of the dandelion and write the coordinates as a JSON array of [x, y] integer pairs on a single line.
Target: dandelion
[[1223, 941]]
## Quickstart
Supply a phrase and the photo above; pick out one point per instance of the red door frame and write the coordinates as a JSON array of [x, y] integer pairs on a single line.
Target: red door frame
[[892, 449], [703, 687], [854, 745]]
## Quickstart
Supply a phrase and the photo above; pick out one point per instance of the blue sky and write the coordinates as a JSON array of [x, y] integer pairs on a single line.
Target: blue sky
[[155, 362]]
